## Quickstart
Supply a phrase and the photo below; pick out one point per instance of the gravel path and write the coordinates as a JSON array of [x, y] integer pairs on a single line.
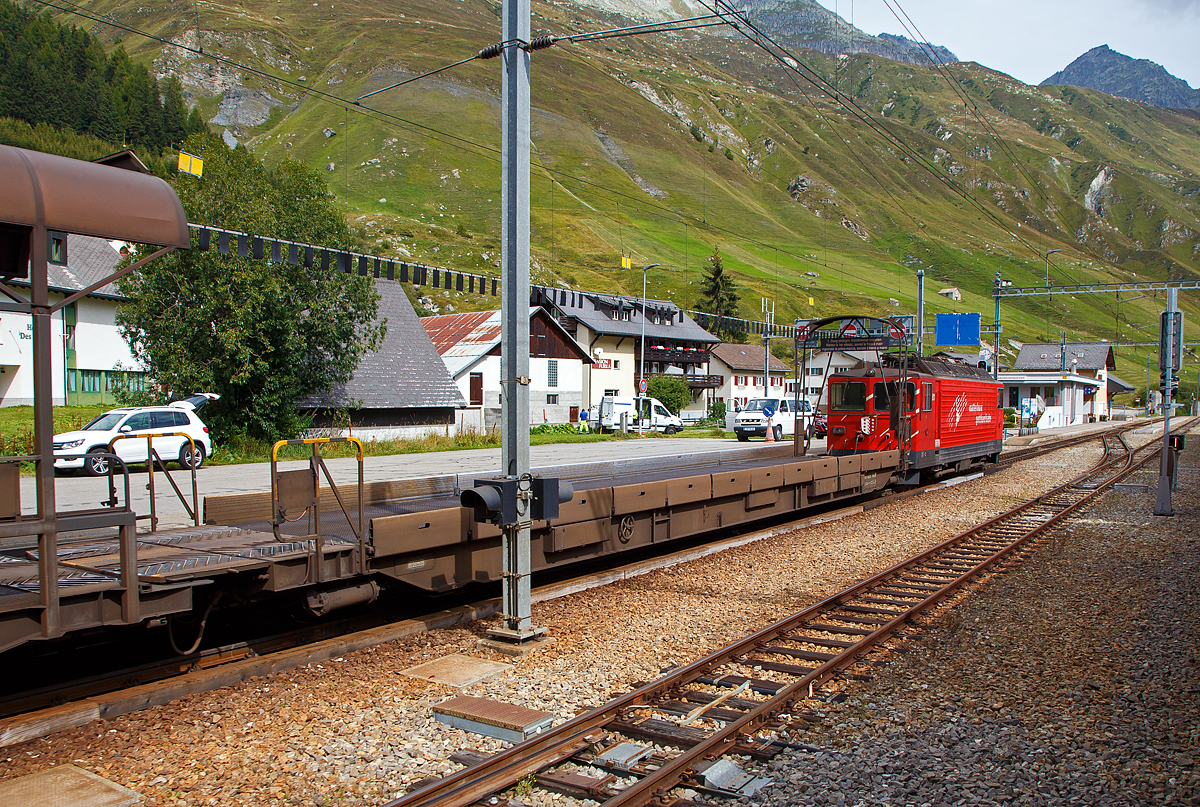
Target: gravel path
[[354, 731], [1073, 680]]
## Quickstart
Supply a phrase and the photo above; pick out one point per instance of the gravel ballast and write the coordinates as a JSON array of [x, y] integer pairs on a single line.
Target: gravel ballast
[[353, 730]]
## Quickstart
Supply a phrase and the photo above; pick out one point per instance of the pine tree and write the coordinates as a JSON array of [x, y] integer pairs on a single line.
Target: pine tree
[[719, 296], [174, 113]]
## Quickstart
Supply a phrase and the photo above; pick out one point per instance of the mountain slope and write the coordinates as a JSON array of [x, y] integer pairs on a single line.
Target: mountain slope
[[670, 146], [1136, 79]]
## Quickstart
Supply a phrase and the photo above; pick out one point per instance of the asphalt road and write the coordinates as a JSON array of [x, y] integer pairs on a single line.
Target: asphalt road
[[84, 492]]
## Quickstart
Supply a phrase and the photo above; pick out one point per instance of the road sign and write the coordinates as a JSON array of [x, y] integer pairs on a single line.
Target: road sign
[[895, 333], [642, 386], [768, 412], [957, 329], [850, 329]]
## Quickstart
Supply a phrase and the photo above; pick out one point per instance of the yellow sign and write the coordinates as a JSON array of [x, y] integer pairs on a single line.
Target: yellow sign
[[191, 164], [626, 263], [811, 301]]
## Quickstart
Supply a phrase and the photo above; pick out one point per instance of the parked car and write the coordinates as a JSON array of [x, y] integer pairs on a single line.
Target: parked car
[[819, 426], [86, 447], [752, 419]]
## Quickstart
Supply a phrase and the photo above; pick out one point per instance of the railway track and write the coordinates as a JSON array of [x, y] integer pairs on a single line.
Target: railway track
[[155, 672], [675, 731]]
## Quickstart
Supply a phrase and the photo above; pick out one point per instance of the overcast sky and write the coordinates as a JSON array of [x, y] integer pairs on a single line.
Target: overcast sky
[[1033, 39]]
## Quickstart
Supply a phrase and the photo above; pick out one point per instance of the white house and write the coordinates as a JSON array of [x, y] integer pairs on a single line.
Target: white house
[[90, 357], [740, 368], [469, 344]]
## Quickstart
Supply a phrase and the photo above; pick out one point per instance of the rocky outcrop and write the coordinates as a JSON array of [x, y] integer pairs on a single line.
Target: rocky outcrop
[[1115, 73]]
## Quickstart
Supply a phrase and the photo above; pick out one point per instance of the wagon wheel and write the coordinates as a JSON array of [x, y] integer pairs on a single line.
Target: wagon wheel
[[625, 530]]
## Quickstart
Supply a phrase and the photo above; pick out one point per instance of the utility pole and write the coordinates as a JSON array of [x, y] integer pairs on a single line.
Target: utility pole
[[921, 312], [996, 355], [1167, 361], [514, 315], [769, 319]]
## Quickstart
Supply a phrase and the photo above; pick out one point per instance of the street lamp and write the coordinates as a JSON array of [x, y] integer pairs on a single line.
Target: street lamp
[[1049, 252], [642, 369]]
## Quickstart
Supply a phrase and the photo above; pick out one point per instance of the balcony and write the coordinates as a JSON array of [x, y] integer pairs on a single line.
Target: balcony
[[676, 355], [694, 381]]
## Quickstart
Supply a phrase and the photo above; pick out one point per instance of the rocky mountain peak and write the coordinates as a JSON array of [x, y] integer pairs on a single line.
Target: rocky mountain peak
[[1106, 70]]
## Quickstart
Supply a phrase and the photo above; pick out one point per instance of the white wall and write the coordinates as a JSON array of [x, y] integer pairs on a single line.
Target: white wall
[[98, 346], [622, 378], [569, 389]]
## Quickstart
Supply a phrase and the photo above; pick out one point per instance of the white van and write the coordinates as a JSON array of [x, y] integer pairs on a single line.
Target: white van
[[640, 414], [753, 419]]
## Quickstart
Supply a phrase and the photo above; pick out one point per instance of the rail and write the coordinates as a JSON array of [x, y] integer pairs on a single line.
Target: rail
[[302, 489], [801, 652]]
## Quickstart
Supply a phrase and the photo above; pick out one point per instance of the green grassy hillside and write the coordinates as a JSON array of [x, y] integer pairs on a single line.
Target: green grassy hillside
[[669, 146]]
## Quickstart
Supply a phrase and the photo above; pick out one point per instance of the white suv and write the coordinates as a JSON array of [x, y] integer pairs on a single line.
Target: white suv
[[87, 446]]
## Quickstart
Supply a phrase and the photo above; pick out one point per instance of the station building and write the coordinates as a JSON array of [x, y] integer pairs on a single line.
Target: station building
[[1074, 381]]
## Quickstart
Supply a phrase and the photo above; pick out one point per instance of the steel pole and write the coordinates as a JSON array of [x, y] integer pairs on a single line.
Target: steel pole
[[514, 314], [1162, 504], [642, 366], [43, 431], [996, 355], [921, 312]]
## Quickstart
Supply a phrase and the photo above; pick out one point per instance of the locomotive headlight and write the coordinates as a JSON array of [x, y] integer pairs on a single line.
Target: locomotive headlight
[[838, 430]]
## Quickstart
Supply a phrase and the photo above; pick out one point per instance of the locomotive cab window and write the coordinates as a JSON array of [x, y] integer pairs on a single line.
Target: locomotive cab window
[[928, 397], [850, 396], [884, 392]]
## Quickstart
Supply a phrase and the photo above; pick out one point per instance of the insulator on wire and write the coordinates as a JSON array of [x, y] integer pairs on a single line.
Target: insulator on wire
[[490, 52], [540, 42]]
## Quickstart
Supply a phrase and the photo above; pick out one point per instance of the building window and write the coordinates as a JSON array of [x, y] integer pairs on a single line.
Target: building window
[[626, 315], [552, 374], [816, 371], [814, 390], [552, 399], [612, 393], [71, 381], [90, 380], [616, 364]]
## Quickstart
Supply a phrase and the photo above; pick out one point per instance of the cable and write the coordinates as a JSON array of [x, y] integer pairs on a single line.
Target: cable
[[789, 60]]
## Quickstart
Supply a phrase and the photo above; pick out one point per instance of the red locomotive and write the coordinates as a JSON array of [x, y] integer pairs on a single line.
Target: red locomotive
[[949, 419]]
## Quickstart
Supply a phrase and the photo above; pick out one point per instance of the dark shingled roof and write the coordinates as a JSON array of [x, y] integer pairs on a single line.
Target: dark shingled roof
[[406, 373], [88, 260], [593, 311], [1048, 356], [745, 357], [1116, 386]]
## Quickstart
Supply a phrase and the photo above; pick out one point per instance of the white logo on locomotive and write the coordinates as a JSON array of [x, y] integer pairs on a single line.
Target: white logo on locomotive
[[957, 409], [866, 425]]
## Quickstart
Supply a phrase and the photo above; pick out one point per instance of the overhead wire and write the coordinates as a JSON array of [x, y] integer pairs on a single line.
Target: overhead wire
[[489, 152], [721, 11], [740, 23]]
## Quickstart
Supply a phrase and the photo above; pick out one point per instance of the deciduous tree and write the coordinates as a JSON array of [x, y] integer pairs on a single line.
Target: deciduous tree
[[264, 335]]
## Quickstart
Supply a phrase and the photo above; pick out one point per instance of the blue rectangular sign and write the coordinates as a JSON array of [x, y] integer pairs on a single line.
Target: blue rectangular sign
[[957, 329]]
